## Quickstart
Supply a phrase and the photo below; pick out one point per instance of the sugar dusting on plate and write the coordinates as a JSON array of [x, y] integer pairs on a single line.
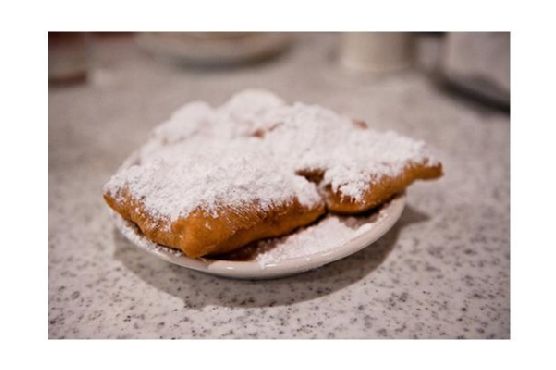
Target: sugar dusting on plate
[[330, 233]]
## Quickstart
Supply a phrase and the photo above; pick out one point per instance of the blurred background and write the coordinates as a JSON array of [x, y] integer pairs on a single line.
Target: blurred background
[[469, 65]]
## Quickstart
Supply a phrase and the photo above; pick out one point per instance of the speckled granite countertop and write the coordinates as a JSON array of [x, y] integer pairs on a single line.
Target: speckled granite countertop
[[442, 272]]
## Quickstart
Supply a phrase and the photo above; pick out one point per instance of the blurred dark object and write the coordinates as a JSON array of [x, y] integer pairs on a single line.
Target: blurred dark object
[[476, 66], [214, 48], [377, 52], [112, 35], [68, 57]]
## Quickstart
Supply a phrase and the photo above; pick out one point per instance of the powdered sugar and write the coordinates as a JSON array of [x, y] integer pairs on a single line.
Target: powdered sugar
[[206, 157], [349, 157], [210, 173], [244, 114], [304, 137], [330, 233]]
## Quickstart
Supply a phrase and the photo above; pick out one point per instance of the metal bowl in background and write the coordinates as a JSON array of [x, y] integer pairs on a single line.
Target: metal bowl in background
[[476, 66]]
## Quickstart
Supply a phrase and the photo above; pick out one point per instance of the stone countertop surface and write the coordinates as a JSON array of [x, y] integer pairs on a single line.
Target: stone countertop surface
[[442, 272]]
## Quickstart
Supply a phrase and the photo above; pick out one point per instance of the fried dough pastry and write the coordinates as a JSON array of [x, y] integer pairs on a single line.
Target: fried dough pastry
[[355, 167], [380, 188], [207, 196], [201, 233], [211, 180]]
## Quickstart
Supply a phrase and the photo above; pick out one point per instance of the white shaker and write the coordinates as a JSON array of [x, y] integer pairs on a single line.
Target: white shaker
[[376, 52]]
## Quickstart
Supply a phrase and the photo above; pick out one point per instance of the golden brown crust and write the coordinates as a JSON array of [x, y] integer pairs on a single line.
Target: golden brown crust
[[202, 234], [382, 188]]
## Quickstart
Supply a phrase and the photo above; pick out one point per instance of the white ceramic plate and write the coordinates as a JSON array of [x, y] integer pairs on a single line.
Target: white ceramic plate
[[365, 234]]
